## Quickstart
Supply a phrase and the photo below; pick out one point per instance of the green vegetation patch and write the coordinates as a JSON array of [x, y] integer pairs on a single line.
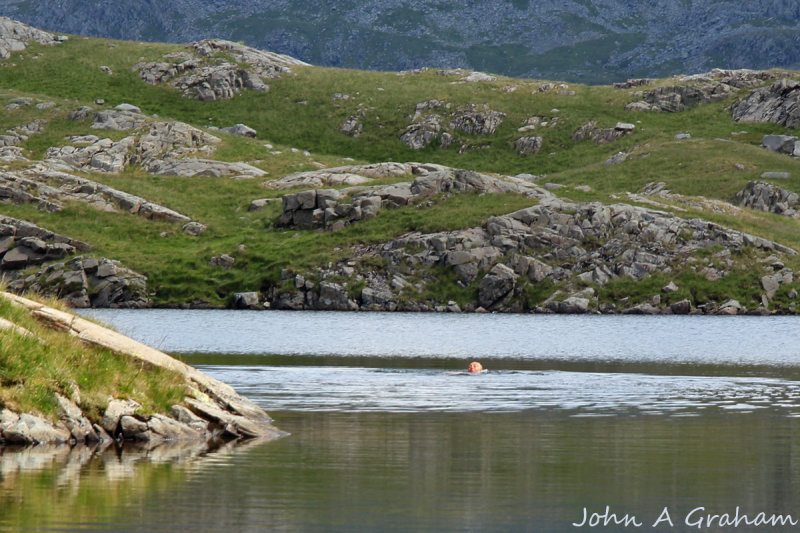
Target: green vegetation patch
[[33, 369]]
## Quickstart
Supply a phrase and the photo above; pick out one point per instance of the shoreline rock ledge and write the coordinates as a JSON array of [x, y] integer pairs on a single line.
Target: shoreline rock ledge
[[211, 411]]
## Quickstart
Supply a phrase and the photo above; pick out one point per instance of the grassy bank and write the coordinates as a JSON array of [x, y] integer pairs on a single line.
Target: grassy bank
[[34, 368]]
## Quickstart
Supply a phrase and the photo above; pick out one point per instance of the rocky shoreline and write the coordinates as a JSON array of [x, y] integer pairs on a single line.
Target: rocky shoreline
[[211, 411]]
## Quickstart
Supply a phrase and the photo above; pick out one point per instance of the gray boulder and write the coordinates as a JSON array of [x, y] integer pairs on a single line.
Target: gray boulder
[[245, 300], [496, 285], [129, 108], [241, 130], [682, 307], [602, 135], [422, 134], [30, 429], [195, 229], [616, 159], [731, 307], [477, 120], [115, 410], [782, 144], [574, 305], [80, 114], [333, 296], [771, 283], [352, 126], [224, 261], [73, 419], [172, 140], [528, 145]]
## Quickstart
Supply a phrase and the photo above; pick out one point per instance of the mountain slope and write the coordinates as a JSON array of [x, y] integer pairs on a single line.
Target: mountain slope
[[428, 190], [588, 41]]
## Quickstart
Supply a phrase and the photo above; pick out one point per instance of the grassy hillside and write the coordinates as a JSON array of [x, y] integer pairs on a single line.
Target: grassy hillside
[[300, 112]]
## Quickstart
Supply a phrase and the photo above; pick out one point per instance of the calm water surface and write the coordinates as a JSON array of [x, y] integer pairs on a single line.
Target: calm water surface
[[389, 434]]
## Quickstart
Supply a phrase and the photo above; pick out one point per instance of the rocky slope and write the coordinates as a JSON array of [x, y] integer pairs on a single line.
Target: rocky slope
[[525, 196], [594, 40]]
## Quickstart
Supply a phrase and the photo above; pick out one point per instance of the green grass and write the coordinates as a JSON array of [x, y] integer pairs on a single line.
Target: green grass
[[33, 369], [299, 112]]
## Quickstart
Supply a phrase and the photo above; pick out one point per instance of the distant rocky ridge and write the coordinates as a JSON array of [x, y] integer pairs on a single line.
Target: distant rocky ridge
[[595, 41]]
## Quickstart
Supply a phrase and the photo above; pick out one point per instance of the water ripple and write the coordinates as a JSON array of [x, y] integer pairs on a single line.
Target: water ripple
[[578, 393]]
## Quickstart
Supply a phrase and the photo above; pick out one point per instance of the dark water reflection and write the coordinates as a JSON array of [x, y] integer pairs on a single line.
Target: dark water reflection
[[526, 471]]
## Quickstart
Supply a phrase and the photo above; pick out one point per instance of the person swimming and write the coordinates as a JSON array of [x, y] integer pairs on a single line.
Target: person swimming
[[475, 367]]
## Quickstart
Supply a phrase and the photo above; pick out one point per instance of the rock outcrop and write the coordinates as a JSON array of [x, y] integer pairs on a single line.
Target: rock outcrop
[[172, 140], [212, 409], [215, 69], [528, 145], [23, 244], [349, 175], [15, 37], [334, 209], [80, 281], [556, 247], [117, 120], [161, 149], [84, 282], [714, 86], [477, 120], [767, 197], [241, 130], [20, 134], [47, 188], [778, 103], [432, 120], [92, 153], [602, 135], [633, 82], [190, 167]]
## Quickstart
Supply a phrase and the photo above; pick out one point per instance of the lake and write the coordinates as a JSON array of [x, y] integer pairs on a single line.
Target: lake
[[602, 423]]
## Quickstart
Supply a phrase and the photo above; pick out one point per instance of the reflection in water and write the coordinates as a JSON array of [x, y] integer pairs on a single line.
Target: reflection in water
[[393, 472], [51, 484]]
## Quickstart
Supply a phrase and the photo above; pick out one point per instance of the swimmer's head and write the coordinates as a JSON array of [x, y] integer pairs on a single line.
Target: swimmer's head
[[474, 367]]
